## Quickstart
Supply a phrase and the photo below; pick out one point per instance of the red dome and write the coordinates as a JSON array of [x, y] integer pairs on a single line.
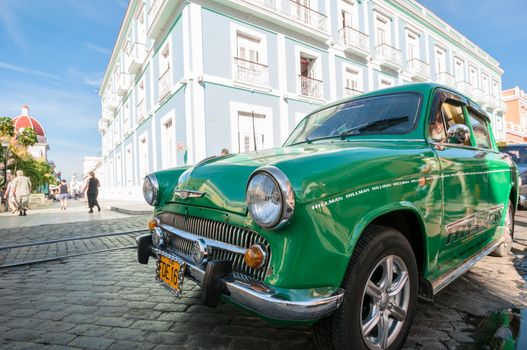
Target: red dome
[[24, 121]]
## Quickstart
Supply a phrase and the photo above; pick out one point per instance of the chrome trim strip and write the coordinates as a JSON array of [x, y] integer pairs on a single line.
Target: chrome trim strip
[[441, 282], [209, 242], [262, 299]]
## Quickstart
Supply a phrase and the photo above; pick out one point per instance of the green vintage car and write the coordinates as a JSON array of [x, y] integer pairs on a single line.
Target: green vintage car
[[371, 202]]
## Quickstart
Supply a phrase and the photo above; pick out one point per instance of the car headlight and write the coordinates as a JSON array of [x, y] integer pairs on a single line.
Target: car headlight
[[270, 198], [150, 189]]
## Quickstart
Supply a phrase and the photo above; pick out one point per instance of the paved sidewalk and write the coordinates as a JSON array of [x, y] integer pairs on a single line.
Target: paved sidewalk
[[77, 212]]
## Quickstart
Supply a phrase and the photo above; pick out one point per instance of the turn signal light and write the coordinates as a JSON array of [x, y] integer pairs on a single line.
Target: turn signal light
[[254, 257], [152, 224]]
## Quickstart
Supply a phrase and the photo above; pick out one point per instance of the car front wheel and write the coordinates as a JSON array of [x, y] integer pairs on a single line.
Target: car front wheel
[[380, 298], [504, 249]]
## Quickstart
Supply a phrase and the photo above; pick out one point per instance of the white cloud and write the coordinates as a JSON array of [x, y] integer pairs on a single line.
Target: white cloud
[[90, 79], [98, 49], [20, 69], [7, 20]]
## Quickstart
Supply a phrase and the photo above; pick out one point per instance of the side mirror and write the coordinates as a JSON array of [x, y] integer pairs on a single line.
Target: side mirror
[[458, 134]]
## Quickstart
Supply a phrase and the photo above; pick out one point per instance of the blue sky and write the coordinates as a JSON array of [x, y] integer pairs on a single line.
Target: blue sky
[[53, 55], [498, 27]]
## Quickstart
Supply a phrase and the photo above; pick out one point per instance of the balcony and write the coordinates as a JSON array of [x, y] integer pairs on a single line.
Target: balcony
[[102, 125], [141, 110], [113, 103], [286, 13], [159, 13], [136, 57], [354, 41], [388, 56], [513, 128], [123, 83], [306, 15], [311, 87], [352, 92], [446, 78], [418, 70], [480, 96], [465, 87], [107, 114], [165, 83], [249, 72]]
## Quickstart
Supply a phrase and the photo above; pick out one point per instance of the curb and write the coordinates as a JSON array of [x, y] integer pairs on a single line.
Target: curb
[[131, 211]]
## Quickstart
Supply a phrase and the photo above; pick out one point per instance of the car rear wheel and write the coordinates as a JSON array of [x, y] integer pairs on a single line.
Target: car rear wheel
[[504, 249], [380, 297]]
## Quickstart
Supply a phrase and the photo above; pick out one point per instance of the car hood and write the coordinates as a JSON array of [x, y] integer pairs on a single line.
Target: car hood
[[314, 170]]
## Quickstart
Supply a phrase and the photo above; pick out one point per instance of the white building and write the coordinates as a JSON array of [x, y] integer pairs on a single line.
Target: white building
[[189, 78]]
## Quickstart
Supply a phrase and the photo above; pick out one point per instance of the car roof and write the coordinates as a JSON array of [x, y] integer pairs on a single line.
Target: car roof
[[422, 88]]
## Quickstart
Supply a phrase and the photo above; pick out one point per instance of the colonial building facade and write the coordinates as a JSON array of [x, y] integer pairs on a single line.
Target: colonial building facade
[[189, 78], [516, 116]]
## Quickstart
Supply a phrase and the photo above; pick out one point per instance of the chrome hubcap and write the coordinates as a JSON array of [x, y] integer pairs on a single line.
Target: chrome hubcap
[[385, 302]]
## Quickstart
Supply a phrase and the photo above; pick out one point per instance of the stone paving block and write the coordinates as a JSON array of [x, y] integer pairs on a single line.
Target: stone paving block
[[90, 330], [151, 325], [174, 316], [142, 314], [55, 338], [126, 334], [129, 345], [20, 334], [167, 338], [114, 321], [80, 318], [51, 315], [95, 343], [21, 346]]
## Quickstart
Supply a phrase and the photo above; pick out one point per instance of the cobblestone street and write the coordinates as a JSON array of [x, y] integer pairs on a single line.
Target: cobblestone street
[[109, 301]]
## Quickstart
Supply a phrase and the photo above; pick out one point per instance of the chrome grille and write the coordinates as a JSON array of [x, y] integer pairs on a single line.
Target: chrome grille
[[219, 231]]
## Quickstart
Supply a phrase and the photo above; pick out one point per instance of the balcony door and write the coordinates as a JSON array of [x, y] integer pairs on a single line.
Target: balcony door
[[253, 132], [249, 48], [440, 61], [459, 68]]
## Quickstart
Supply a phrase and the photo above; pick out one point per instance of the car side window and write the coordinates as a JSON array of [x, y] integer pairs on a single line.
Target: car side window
[[436, 129], [446, 116], [480, 129]]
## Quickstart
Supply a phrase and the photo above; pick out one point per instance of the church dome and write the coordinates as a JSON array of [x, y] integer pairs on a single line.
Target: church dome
[[24, 121]]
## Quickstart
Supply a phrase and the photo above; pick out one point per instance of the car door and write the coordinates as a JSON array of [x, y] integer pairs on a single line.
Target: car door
[[464, 180], [499, 169]]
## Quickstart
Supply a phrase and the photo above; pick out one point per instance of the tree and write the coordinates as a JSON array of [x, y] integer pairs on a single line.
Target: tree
[[7, 129], [27, 137]]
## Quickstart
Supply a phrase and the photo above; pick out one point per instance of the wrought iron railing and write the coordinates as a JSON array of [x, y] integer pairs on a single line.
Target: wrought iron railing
[[165, 83], [446, 79], [310, 87], [351, 92], [415, 65], [389, 53], [251, 72], [352, 37]]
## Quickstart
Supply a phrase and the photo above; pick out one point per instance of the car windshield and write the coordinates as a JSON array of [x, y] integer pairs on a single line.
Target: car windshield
[[518, 153], [387, 114]]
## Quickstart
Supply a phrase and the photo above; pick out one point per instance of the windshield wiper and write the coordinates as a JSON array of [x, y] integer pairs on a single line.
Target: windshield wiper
[[376, 125]]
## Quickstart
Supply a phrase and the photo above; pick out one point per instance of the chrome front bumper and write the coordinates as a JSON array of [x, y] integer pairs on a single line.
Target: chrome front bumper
[[274, 303]]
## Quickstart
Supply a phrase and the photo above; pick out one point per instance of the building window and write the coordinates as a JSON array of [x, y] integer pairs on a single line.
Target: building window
[[459, 69], [485, 83], [143, 157], [253, 134], [382, 30], [165, 77], [169, 143], [495, 88], [309, 71], [440, 60], [412, 46], [352, 82], [141, 105], [473, 76], [126, 118], [349, 14], [141, 27], [249, 63], [119, 165], [129, 166]]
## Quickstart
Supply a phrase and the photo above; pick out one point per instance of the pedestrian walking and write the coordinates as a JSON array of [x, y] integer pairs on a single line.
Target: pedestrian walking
[[64, 193], [92, 191], [9, 194], [21, 189]]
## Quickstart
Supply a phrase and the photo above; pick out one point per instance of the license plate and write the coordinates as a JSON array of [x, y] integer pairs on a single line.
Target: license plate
[[171, 272]]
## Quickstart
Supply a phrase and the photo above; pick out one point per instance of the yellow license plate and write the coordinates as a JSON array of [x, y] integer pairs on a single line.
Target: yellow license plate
[[171, 273]]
